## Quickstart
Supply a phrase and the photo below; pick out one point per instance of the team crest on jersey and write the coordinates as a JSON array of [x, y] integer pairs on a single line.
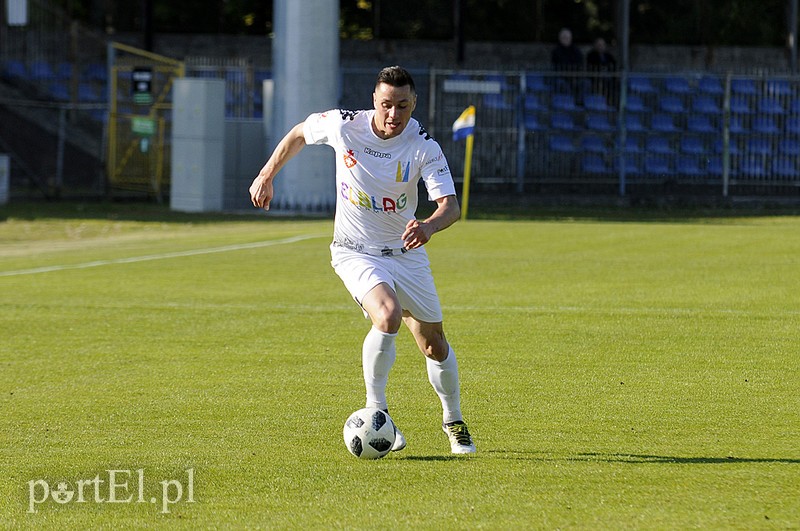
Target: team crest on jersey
[[350, 158]]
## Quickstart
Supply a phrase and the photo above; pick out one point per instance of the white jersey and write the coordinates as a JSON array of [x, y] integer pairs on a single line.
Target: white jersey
[[376, 179]]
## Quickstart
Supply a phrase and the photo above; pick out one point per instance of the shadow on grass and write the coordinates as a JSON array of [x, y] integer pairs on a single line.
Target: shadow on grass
[[639, 458], [433, 458]]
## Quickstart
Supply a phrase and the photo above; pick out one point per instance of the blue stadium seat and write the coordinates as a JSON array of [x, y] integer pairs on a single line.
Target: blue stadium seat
[[658, 144], [632, 166], [688, 166], [699, 123], [14, 69], [496, 101], [785, 167], [794, 106], [562, 144], [770, 106], [793, 125], [752, 167], [677, 85], [87, 93], [635, 103], [765, 125], [532, 103], [59, 91], [634, 123], [710, 85], [532, 123], [594, 144], [63, 71], [598, 122], [596, 102], [790, 147], [692, 145], [633, 145], [560, 120], [535, 83], [41, 71], [733, 148], [594, 164], [641, 84], [563, 102], [657, 166], [714, 166], [705, 104], [737, 126], [759, 146], [743, 86], [671, 104], [740, 105], [663, 123], [778, 87]]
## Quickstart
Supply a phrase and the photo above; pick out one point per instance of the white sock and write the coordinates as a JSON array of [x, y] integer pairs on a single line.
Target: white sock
[[444, 379], [377, 357]]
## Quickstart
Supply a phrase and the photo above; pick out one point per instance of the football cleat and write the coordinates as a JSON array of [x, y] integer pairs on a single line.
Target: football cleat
[[460, 439], [399, 440]]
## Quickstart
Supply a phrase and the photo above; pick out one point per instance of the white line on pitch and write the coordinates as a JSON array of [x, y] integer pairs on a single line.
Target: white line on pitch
[[162, 256]]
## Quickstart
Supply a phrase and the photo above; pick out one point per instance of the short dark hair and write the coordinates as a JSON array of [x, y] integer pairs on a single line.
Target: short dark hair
[[396, 76]]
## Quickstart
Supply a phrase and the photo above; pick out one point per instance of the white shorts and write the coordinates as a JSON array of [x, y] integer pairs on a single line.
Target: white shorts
[[408, 274]]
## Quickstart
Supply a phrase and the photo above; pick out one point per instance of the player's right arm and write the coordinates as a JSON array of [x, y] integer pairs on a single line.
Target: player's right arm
[[261, 190]]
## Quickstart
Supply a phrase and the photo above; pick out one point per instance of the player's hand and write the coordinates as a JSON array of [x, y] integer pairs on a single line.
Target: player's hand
[[417, 234], [261, 192]]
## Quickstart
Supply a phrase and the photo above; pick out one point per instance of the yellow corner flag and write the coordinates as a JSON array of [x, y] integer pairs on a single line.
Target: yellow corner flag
[[464, 127]]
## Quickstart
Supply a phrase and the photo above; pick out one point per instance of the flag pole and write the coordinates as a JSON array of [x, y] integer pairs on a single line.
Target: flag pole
[[467, 171]]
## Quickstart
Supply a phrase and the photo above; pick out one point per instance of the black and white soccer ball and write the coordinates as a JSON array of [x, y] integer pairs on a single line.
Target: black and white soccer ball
[[369, 433]]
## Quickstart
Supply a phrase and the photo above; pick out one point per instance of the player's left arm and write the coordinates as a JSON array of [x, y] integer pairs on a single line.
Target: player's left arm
[[418, 233]]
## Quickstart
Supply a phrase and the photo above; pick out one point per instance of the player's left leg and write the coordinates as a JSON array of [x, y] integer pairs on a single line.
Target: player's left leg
[[442, 368]]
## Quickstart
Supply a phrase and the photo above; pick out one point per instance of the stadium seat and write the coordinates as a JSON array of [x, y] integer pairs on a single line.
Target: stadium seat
[[532, 123], [657, 166], [596, 102], [706, 105], [496, 101], [59, 91], [714, 166], [663, 123], [710, 85], [535, 83], [794, 106], [743, 86], [740, 105], [641, 84], [752, 167], [562, 144], [63, 71], [87, 93], [532, 103], [692, 145], [634, 123], [677, 85], [563, 102], [737, 126], [95, 72], [594, 144], [671, 104], [560, 120], [778, 87], [785, 167], [41, 71], [770, 106], [733, 148], [699, 123], [635, 103], [14, 69], [598, 122], [594, 164], [688, 166], [793, 125], [765, 125], [633, 145], [790, 147], [658, 144], [759, 146]]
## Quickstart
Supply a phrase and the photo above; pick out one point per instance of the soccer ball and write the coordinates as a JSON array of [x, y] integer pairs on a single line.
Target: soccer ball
[[369, 433]]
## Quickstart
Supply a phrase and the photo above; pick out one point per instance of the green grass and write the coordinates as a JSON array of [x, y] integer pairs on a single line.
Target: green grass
[[615, 374]]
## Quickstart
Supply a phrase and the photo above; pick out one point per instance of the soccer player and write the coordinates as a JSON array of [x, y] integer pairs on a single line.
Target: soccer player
[[378, 244]]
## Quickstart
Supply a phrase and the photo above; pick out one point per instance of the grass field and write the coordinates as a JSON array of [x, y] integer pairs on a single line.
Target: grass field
[[615, 374]]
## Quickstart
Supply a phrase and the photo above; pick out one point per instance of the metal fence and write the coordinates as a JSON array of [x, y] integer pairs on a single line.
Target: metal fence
[[726, 131]]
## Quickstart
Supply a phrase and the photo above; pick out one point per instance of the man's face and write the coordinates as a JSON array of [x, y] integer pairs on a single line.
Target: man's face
[[393, 108]]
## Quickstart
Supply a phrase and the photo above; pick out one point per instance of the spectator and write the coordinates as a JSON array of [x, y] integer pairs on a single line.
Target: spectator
[[566, 56], [599, 59]]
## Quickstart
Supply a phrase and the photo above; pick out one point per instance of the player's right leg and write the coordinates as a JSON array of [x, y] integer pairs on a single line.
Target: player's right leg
[[378, 352]]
